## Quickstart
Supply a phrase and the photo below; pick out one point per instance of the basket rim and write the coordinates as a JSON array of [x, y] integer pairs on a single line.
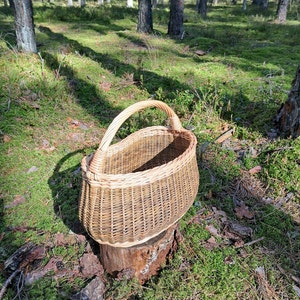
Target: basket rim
[[172, 165]]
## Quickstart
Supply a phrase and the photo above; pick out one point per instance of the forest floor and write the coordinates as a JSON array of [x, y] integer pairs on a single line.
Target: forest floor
[[241, 237]]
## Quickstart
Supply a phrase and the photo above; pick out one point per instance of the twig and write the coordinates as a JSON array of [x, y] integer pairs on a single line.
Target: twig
[[8, 282], [197, 94], [42, 61], [20, 285], [275, 150], [57, 75], [253, 242], [227, 134]]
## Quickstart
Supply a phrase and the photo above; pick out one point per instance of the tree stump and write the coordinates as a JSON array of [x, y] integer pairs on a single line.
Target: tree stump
[[288, 117], [140, 261]]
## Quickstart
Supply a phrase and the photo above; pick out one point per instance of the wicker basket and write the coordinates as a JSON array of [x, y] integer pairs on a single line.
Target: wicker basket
[[137, 188]]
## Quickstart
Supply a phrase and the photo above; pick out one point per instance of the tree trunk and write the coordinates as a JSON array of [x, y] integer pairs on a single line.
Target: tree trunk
[[262, 3], [265, 4], [11, 4], [288, 118], [70, 3], [175, 27], [282, 8], [24, 26], [81, 3], [145, 22], [140, 261], [202, 8]]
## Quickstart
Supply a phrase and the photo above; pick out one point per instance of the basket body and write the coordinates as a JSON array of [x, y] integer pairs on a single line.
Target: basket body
[[145, 184]]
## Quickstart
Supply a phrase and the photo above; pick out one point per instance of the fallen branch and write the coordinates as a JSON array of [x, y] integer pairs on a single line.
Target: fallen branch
[[8, 282], [252, 242], [224, 136]]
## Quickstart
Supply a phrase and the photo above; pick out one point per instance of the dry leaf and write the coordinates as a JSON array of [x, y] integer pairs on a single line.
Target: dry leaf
[[46, 146], [186, 49], [243, 211], [105, 86], [239, 243], [240, 230], [209, 195], [255, 170], [90, 265], [200, 52], [21, 228], [220, 213], [229, 260], [6, 138], [212, 230], [32, 169], [211, 244], [94, 290], [17, 200], [76, 137]]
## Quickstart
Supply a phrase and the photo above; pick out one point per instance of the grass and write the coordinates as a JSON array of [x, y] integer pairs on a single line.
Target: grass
[[55, 107]]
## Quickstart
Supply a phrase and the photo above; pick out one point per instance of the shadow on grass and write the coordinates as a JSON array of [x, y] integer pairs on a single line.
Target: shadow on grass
[[151, 81], [103, 15], [65, 184]]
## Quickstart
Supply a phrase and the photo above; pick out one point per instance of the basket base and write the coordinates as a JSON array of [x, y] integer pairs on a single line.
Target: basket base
[[141, 261]]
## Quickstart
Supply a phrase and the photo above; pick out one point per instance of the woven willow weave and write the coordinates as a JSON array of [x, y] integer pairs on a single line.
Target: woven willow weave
[[137, 188]]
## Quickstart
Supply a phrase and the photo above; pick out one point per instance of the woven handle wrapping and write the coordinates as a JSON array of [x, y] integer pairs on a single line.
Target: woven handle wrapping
[[121, 118]]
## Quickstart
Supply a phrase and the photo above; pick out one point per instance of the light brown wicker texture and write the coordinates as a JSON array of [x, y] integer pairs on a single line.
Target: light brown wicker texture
[[137, 188]]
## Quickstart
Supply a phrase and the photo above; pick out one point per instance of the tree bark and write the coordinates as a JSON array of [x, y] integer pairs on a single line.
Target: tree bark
[[11, 4], [288, 117], [202, 8], [282, 8], [140, 261], [24, 26], [262, 3], [145, 22], [81, 3], [175, 27]]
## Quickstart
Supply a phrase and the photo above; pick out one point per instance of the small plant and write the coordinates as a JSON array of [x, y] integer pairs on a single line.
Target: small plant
[[281, 167]]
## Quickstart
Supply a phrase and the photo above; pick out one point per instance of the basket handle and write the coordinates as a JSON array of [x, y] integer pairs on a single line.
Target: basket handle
[[122, 117]]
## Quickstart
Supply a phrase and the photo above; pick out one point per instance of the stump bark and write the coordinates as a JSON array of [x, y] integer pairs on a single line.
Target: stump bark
[[140, 261], [288, 117]]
